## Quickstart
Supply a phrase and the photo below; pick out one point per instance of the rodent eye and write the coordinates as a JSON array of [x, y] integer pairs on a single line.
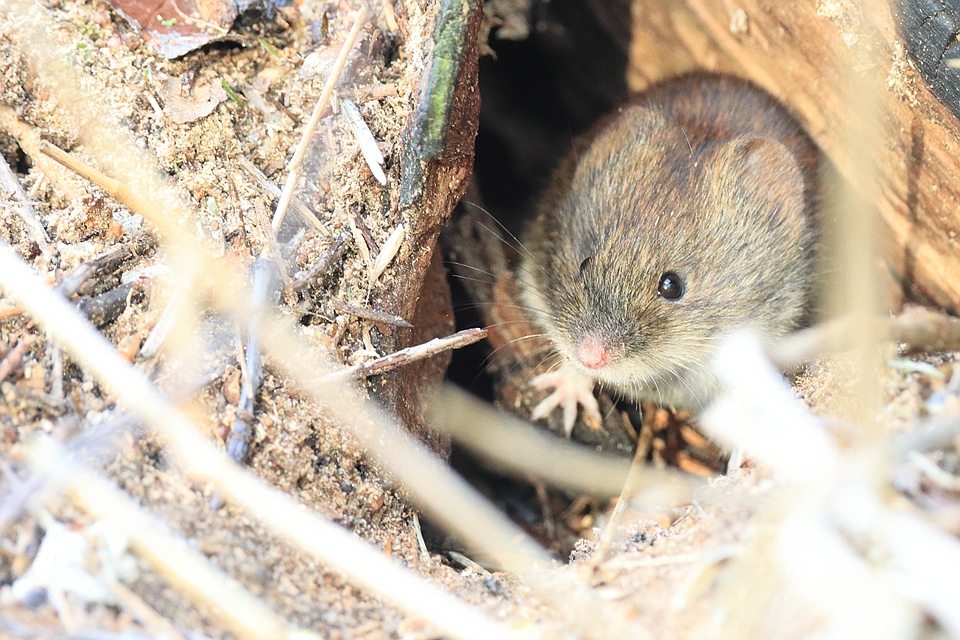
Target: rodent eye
[[671, 286], [586, 263]]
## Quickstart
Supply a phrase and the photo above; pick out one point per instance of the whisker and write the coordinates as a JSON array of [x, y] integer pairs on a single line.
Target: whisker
[[521, 306], [553, 367], [497, 351], [519, 244], [613, 408], [471, 267], [536, 315], [459, 276], [680, 379]]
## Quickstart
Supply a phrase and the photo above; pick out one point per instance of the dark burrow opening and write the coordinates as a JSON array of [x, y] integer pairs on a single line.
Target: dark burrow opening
[[538, 93]]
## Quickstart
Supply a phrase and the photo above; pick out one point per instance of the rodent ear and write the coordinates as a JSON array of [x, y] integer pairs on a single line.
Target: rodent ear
[[766, 158], [765, 169]]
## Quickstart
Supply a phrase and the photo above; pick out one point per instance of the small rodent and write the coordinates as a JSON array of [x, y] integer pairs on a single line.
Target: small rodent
[[689, 213]]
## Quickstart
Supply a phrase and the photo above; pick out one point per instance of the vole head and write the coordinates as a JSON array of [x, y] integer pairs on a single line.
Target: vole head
[[652, 245]]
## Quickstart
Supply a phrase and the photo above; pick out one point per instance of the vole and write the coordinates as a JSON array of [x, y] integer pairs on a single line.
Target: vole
[[689, 213]]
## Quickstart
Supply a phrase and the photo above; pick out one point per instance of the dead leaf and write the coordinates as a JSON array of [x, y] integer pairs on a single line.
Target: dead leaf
[[201, 102]]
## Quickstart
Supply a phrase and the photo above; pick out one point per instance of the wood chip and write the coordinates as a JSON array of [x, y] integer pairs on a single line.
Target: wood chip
[[387, 253], [361, 242], [368, 144]]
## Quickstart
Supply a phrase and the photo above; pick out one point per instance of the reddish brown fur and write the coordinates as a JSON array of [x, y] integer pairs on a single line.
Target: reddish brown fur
[[706, 176]]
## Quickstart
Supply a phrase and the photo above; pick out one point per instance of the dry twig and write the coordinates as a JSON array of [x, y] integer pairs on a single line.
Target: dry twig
[[72, 282], [629, 489], [293, 167], [264, 296], [322, 264], [15, 355], [105, 308], [368, 314], [407, 356]]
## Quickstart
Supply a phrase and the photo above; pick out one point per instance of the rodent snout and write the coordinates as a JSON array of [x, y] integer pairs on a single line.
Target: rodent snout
[[593, 352]]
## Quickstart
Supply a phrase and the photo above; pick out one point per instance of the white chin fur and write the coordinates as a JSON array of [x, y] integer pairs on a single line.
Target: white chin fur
[[693, 392]]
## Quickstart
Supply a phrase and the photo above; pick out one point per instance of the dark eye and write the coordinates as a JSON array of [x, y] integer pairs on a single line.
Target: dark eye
[[671, 286], [586, 263]]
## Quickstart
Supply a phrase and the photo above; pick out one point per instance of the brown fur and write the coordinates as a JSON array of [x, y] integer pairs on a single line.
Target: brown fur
[[706, 176]]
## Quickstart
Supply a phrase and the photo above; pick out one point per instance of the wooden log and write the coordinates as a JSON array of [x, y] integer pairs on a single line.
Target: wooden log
[[800, 52], [435, 169]]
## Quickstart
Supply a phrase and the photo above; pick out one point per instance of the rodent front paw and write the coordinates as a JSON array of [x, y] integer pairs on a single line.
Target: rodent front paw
[[571, 389]]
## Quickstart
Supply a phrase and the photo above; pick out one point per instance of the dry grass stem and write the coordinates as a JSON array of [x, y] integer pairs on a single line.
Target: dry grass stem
[[185, 568], [144, 612], [817, 523], [161, 212], [271, 188], [449, 499], [515, 446], [144, 192], [634, 475], [761, 415], [834, 501], [293, 167], [177, 562], [851, 237], [10, 184], [329, 543], [114, 188], [918, 328]]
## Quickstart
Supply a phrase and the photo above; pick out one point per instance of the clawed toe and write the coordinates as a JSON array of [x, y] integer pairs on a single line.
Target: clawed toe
[[571, 390]]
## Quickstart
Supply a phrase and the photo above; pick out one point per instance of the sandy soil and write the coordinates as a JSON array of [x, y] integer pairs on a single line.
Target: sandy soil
[[670, 571]]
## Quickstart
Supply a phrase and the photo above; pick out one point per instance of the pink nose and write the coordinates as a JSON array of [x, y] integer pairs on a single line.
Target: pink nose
[[593, 353]]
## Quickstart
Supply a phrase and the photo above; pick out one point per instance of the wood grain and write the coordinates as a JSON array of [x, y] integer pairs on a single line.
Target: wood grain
[[801, 52]]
